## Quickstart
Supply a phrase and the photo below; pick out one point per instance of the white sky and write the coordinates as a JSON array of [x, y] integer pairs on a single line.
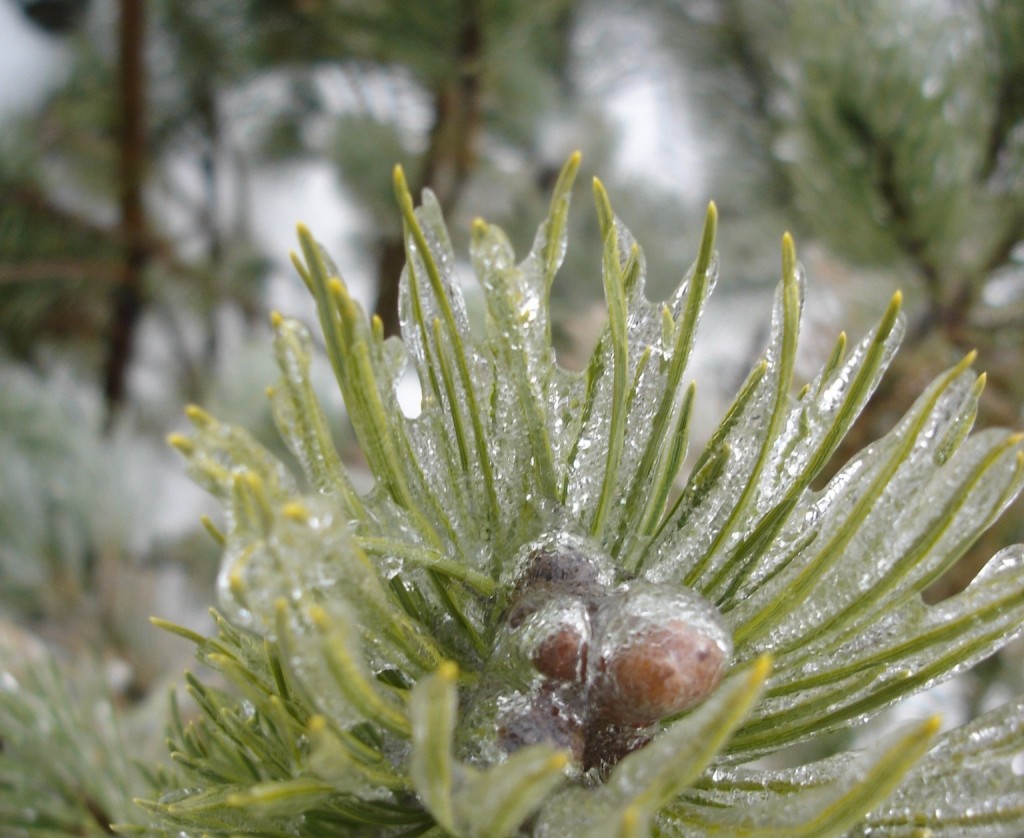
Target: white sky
[[31, 62], [626, 68]]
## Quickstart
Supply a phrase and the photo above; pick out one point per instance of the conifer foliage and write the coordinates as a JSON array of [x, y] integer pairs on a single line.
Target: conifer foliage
[[479, 644]]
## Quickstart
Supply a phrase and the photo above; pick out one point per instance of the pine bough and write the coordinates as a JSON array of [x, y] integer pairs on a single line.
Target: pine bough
[[386, 649]]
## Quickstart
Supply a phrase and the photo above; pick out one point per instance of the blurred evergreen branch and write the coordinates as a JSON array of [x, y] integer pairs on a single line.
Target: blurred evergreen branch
[[65, 765]]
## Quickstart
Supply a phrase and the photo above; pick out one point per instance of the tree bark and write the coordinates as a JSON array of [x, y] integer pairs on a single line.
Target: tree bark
[[126, 299]]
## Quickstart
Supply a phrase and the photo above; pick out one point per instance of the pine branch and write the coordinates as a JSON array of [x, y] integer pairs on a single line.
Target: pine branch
[[518, 630]]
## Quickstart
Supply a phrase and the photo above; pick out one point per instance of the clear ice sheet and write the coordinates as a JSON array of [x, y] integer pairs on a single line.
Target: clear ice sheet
[[648, 354], [931, 530], [906, 652], [809, 800], [965, 786], [442, 438], [526, 418], [852, 537], [300, 419], [812, 427], [698, 542]]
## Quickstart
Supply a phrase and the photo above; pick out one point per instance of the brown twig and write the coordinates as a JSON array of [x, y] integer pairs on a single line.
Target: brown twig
[[126, 299], [70, 270]]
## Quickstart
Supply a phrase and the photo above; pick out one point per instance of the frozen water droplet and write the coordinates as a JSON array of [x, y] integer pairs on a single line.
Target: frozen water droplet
[[390, 566], [931, 86], [1017, 765]]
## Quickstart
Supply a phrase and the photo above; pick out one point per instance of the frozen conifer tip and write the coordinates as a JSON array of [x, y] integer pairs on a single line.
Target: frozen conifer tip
[[198, 416], [318, 614], [181, 442], [760, 669], [535, 617], [212, 529], [788, 258], [236, 582], [402, 194], [605, 215], [707, 240], [295, 511]]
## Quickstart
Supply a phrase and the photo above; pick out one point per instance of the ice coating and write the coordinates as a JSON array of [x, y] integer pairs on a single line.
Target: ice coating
[[659, 652], [551, 714], [806, 434], [554, 632], [591, 639], [890, 494], [552, 567], [301, 421], [896, 656], [941, 787], [562, 654]]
